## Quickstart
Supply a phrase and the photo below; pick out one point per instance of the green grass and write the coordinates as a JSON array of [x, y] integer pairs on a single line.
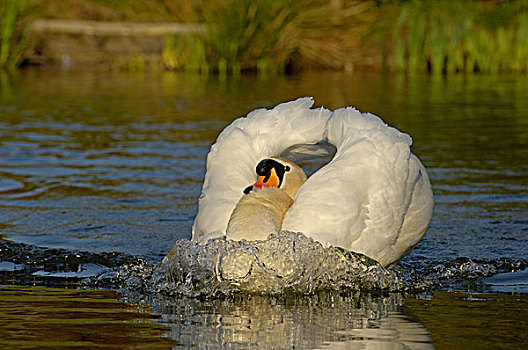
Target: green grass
[[263, 35], [186, 52], [457, 36], [438, 36]]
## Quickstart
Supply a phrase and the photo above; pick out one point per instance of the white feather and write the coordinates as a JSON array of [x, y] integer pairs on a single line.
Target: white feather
[[373, 197], [238, 149]]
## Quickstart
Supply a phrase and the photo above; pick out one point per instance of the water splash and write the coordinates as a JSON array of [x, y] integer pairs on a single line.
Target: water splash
[[459, 274], [285, 262], [24, 264]]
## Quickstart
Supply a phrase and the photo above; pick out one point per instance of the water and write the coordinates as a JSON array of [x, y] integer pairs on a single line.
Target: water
[[100, 174], [61, 318]]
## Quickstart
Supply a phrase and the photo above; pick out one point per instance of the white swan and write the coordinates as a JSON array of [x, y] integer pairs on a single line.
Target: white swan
[[374, 197]]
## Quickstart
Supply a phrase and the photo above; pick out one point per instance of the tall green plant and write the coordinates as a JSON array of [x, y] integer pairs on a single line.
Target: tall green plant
[[186, 52], [265, 35], [245, 33], [453, 36], [9, 51]]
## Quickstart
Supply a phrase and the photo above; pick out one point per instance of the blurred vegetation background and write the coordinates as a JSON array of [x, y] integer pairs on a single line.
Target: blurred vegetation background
[[440, 36]]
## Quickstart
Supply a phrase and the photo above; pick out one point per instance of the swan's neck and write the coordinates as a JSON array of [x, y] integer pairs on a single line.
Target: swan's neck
[[258, 214]]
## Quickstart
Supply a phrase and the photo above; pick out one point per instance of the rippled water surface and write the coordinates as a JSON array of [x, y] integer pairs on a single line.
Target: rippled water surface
[[102, 170]]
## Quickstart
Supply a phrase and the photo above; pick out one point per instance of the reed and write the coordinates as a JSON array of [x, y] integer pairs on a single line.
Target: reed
[[457, 36], [10, 49], [186, 52], [264, 35], [439, 36]]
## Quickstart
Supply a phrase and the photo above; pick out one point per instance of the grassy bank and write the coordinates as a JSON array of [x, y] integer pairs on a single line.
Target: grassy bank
[[456, 36], [272, 35], [263, 35]]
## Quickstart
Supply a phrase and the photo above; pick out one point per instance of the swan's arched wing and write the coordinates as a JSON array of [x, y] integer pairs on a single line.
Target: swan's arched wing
[[360, 199], [232, 159], [418, 213]]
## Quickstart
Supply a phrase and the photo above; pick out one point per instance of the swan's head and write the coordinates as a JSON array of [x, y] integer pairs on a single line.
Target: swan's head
[[278, 172]]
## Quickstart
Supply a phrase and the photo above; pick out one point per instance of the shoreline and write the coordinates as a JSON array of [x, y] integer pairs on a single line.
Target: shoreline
[[134, 46], [237, 37]]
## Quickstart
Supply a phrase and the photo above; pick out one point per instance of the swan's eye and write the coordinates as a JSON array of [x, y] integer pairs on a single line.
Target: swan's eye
[[287, 168]]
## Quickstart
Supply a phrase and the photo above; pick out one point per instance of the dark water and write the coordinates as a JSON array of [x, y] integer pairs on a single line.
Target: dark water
[[53, 318], [112, 162]]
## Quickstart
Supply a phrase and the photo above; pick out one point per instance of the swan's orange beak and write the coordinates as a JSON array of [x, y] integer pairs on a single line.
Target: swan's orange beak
[[270, 180]]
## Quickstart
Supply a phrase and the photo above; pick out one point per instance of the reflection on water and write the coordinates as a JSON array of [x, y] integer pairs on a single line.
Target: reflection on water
[[321, 321], [51, 318], [33, 317], [473, 321], [95, 162]]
